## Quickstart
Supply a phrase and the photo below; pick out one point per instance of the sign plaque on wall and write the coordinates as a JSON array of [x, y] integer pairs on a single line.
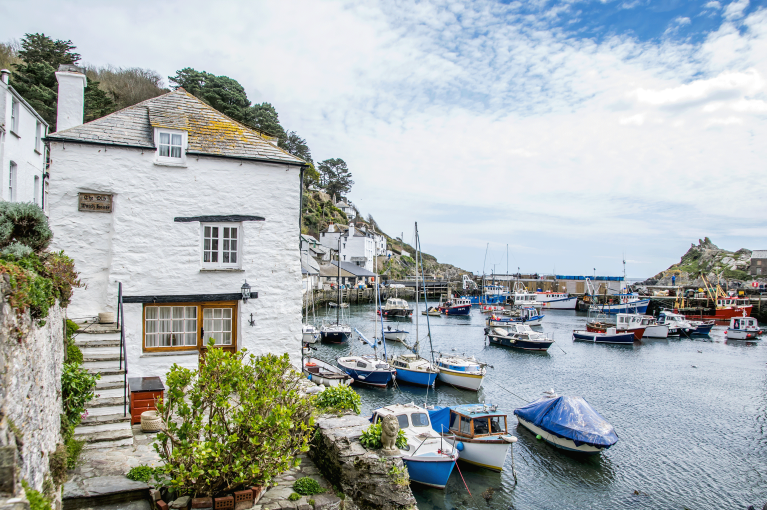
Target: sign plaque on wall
[[95, 202]]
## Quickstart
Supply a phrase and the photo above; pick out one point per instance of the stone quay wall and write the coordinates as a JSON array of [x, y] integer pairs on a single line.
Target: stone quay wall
[[360, 474], [31, 360]]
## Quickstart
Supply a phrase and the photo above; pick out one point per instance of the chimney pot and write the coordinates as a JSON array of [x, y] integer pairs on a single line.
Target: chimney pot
[[70, 107], [4, 75]]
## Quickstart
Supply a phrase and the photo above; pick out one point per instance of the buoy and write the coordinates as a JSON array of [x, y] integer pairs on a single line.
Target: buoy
[[459, 446], [538, 437]]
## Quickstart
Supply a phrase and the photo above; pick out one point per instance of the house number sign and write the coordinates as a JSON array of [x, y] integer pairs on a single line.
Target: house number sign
[[95, 202]]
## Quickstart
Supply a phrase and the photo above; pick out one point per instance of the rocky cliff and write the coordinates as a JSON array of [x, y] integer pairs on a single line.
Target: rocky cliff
[[706, 259]]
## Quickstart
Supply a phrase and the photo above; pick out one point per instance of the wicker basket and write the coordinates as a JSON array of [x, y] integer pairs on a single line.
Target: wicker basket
[[106, 317], [150, 422]]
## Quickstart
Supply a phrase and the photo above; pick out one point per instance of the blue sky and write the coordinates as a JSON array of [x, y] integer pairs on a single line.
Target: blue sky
[[572, 131]]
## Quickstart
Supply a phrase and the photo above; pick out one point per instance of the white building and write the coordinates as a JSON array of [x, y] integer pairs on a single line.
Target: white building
[[356, 245], [22, 151], [181, 205], [346, 209]]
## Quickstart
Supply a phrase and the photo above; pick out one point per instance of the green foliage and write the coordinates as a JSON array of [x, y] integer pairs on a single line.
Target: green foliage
[[735, 274], [339, 398], [371, 438], [307, 486], [238, 420], [24, 223], [36, 500], [74, 354], [141, 473], [294, 497], [399, 476], [296, 145], [77, 389], [335, 177], [57, 462], [221, 92], [16, 251], [311, 502], [74, 449], [97, 102], [319, 213], [265, 118], [126, 86]]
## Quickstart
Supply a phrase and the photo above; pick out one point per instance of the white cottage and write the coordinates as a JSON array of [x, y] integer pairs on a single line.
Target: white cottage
[[22, 151], [181, 205]]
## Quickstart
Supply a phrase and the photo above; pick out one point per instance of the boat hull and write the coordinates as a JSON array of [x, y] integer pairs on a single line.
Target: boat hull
[[560, 304], [325, 374], [334, 337], [490, 454], [486, 299], [417, 377], [656, 331], [396, 336], [560, 442], [633, 307], [379, 379], [535, 321], [430, 471], [461, 380], [456, 310], [721, 314], [526, 345], [604, 338], [396, 313], [703, 329], [736, 334]]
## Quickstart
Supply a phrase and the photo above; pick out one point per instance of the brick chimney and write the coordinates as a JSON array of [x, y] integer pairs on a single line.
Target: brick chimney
[[71, 101]]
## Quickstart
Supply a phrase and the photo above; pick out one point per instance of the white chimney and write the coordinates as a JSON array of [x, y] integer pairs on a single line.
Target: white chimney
[[71, 101], [4, 74]]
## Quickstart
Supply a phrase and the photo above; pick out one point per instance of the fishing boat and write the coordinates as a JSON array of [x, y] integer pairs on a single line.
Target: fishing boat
[[568, 423], [724, 305], [677, 324], [530, 316], [743, 328], [491, 308], [413, 369], [367, 369], [433, 311], [556, 300], [702, 327], [478, 431], [456, 306], [519, 336], [395, 307], [627, 302], [429, 458], [340, 331], [609, 336], [624, 323], [525, 299], [461, 371], [396, 334], [491, 295], [323, 373]]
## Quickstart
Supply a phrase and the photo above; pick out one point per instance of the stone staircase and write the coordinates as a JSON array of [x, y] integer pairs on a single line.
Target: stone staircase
[[105, 426]]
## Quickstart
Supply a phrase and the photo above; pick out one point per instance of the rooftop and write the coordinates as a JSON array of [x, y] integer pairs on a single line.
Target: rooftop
[[353, 269], [759, 254], [210, 132]]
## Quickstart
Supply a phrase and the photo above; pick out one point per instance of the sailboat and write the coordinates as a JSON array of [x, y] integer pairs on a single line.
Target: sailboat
[[339, 332], [367, 369], [411, 367]]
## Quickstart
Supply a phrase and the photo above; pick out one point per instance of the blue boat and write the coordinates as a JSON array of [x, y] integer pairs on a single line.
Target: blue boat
[[569, 423], [456, 306], [429, 458], [493, 295], [368, 369], [413, 369], [628, 303], [609, 336]]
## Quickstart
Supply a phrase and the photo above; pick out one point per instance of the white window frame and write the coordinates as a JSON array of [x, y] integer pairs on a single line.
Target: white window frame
[[170, 160], [35, 198], [13, 170], [38, 136], [15, 116], [220, 246]]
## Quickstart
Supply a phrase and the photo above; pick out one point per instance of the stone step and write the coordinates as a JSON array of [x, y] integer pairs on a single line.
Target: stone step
[[128, 441], [103, 367], [101, 354], [109, 382], [83, 341], [111, 414], [104, 432], [94, 328], [108, 397]]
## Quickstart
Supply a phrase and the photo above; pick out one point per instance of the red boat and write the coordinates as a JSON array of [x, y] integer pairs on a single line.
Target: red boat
[[727, 307]]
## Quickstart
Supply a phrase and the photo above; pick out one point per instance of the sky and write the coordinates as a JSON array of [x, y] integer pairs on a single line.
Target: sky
[[575, 133]]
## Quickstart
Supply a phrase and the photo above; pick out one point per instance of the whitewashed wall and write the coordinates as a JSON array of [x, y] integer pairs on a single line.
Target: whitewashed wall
[[141, 246]]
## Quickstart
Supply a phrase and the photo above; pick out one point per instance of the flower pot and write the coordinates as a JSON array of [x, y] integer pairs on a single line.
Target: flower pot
[[106, 317], [150, 421]]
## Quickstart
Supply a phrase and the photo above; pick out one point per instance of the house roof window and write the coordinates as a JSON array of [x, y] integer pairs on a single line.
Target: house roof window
[[171, 147]]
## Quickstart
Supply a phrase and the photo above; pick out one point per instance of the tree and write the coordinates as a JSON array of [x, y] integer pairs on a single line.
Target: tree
[[126, 86], [221, 92], [265, 118], [335, 177], [296, 145]]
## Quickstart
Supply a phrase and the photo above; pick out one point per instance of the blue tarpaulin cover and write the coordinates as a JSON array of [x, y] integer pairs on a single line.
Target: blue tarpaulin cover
[[440, 418], [571, 418]]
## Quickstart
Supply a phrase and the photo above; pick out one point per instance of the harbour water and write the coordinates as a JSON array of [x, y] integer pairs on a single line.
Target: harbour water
[[691, 415]]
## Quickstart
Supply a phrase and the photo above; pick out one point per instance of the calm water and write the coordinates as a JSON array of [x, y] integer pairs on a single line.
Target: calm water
[[691, 416]]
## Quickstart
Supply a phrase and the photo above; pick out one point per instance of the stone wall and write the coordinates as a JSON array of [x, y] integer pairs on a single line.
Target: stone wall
[[360, 474], [31, 359]]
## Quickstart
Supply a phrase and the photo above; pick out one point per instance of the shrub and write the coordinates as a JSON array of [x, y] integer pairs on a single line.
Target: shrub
[[57, 462], [74, 354], [74, 449], [25, 223], [36, 500], [235, 421], [307, 486], [371, 437], [77, 388], [294, 497], [338, 398], [141, 473]]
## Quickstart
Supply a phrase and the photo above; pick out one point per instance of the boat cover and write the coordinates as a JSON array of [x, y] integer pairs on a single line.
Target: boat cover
[[571, 418], [440, 418]]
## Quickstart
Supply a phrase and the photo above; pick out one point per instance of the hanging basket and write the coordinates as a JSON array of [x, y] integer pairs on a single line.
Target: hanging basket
[[150, 421]]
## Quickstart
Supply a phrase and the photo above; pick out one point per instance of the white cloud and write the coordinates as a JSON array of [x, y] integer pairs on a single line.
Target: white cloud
[[713, 5], [734, 10], [636, 120], [739, 82], [682, 21], [724, 121]]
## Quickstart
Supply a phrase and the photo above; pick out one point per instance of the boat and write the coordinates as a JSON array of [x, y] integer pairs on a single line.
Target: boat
[[395, 307], [338, 332], [413, 369], [491, 308], [568, 423], [461, 371], [309, 334], [323, 373], [428, 456], [456, 306], [491, 295], [702, 327], [333, 304], [530, 316], [433, 311], [480, 429], [519, 336], [609, 336], [624, 323], [556, 300], [396, 335], [367, 369], [677, 324], [743, 328], [525, 299], [726, 306], [628, 302]]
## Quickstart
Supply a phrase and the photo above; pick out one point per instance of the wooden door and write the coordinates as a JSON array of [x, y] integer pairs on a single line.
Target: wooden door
[[218, 321]]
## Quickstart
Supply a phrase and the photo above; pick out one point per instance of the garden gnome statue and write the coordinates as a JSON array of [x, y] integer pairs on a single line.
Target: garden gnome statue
[[389, 431]]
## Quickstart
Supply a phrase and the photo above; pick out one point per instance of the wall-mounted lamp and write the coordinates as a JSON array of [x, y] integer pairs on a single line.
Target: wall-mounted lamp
[[245, 291]]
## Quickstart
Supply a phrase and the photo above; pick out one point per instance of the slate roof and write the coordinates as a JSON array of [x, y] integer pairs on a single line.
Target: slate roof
[[759, 254], [353, 268], [210, 132]]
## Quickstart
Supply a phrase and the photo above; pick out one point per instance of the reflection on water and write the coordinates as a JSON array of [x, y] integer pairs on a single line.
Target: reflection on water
[[691, 415]]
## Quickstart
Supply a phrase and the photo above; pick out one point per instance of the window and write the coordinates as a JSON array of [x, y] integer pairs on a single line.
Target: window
[[15, 116], [35, 198], [419, 419], [38, 135], [12, 171], [498, 424], [465, 426], [171, 147], [185, 326], [220, 245], [402, 420], [480, 426]]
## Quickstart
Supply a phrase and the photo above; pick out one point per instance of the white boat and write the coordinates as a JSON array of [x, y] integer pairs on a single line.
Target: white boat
[[556, 300], [525, 299], [530, 316], [335, 333], [367, 370], [677, 324], [479, 428], [461, 371], [412, 368], [743, 328], [396, 307], [323, 373], [309, 334], [397, 335], [332, 304], [519, 336], [433, 311], [652, 328]]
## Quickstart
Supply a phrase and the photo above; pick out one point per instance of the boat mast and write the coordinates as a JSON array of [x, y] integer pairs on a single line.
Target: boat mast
[[383, 338], [417, 336], [425, 300], [338, 308], [483, 274]]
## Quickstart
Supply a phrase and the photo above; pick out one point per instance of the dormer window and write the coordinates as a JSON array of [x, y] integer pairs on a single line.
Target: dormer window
[[171, 147]]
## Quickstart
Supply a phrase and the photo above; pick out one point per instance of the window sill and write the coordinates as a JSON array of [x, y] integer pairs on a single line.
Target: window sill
[[181, 164], [14, 133], [221, 270], [194, 352], [37, 151]]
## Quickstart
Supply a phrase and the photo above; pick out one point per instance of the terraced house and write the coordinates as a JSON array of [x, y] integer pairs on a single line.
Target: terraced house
[[179, 206]]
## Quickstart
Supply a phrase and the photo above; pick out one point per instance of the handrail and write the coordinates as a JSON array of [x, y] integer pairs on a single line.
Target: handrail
[[123, 350]]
